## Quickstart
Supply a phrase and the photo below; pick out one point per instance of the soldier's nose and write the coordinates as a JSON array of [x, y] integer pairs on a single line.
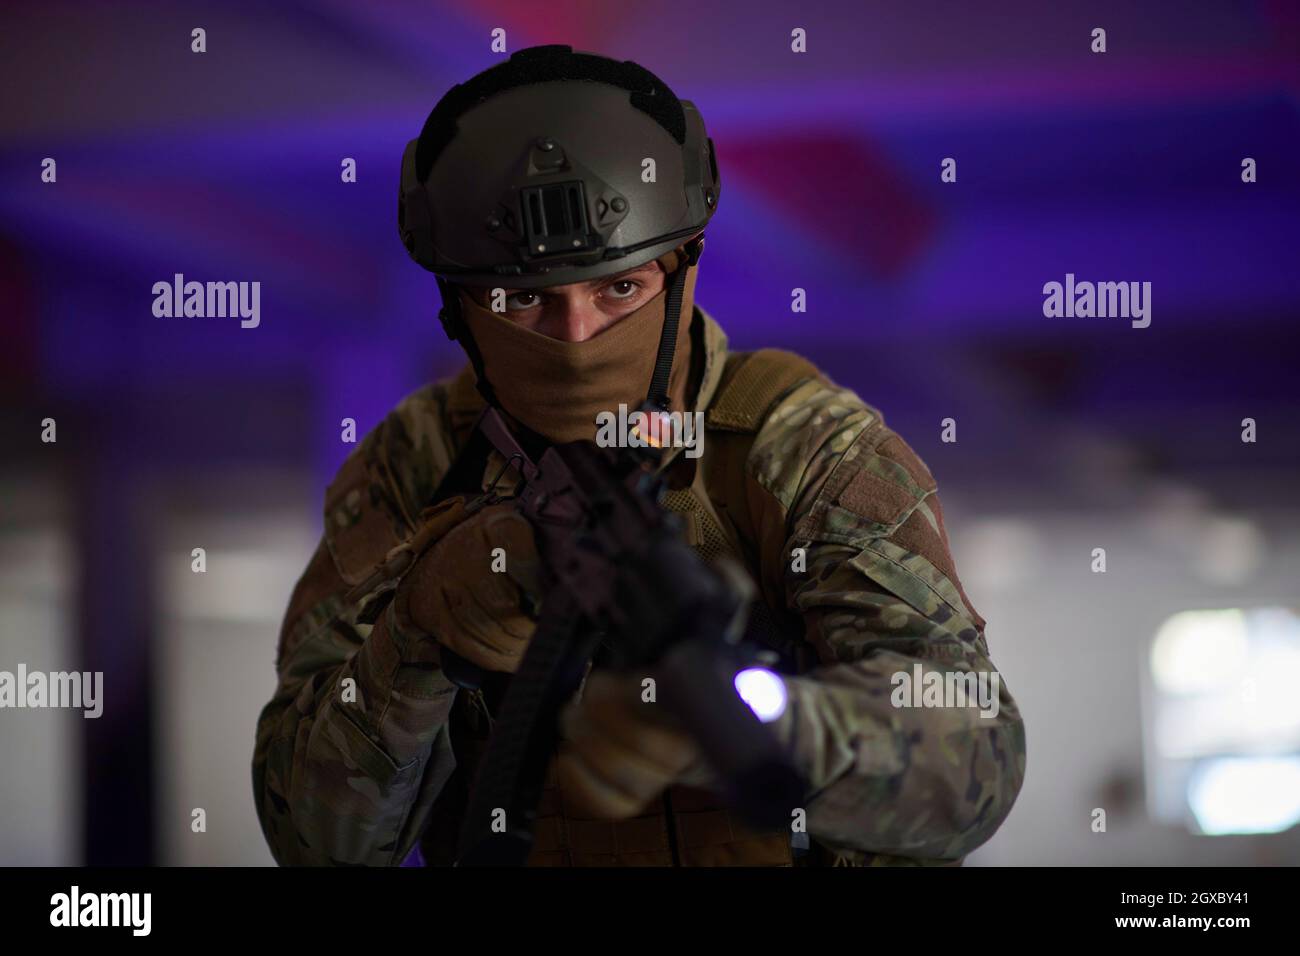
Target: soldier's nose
[[575, 321]]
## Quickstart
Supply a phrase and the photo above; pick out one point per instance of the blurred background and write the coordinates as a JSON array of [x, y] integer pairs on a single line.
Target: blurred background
[[1162, 691]]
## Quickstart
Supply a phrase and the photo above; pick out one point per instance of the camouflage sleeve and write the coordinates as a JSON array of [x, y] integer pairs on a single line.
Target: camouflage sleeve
[[883, 607], [353, 748]]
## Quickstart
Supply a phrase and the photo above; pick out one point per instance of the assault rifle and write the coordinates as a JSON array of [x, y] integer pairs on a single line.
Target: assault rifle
[[616, 571]]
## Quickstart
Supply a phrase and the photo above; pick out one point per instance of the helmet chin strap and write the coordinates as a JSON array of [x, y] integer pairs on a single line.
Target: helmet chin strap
[[658, 394], [453, 323]]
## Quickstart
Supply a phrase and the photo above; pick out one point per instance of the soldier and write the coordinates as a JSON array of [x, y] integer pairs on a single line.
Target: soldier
[[560, 198]]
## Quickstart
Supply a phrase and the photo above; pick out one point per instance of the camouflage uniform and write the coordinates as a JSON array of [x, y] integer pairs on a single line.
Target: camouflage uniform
[[366, 749]]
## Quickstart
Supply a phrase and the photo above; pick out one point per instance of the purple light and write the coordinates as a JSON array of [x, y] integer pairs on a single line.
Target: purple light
[[763, 691]]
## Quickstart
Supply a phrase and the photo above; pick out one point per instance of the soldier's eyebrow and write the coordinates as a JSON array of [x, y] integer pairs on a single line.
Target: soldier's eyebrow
[[652, 265], [636, 270], [592, 283]]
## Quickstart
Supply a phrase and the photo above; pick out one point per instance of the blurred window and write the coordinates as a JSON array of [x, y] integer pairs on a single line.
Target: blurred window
[[1223, 720]]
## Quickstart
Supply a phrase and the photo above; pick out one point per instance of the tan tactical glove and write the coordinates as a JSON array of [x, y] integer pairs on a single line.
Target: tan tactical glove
[[470, 596], [618, 753]]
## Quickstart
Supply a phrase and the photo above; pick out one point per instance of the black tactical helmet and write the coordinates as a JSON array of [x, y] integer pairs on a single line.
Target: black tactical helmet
[[530, 174]]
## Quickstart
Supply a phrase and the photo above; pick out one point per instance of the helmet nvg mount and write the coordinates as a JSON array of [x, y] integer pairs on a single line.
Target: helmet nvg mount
[[534, 173]]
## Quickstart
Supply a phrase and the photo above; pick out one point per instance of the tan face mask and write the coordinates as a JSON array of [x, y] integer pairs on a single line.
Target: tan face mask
[[558, 388]]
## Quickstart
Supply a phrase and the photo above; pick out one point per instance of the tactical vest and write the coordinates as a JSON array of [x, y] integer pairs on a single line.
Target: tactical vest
[[686, 826]]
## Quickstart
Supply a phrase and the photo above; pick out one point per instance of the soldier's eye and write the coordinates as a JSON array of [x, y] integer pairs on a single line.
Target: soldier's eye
[[617, 290], [514, 303]]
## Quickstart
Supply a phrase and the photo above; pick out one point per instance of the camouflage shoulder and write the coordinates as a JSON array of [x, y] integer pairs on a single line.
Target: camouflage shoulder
[[375, 498], [805, 434], [844, 477]]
